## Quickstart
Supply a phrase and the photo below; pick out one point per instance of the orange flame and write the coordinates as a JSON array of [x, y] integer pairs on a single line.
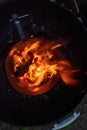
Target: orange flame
[[37, 65]]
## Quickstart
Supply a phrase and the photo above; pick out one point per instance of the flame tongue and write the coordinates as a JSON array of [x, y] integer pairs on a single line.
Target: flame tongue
[[39, 64], [35, 64], [40, 70]]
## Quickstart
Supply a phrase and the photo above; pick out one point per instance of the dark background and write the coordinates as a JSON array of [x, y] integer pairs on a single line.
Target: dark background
[[81, 122]]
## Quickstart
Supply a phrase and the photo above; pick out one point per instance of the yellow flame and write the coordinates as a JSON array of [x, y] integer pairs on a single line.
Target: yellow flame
[[43, 62]]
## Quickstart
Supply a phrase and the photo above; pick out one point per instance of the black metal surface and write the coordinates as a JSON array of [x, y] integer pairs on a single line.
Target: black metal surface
[[58, 23]]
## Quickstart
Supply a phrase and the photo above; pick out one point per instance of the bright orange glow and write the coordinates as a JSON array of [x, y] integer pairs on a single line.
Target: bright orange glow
[[34, 66]]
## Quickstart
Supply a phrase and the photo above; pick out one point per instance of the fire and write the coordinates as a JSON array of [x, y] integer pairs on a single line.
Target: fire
[[35, 66]]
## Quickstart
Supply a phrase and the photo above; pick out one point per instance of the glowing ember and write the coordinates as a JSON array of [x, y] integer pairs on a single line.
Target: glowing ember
[[34, 66]]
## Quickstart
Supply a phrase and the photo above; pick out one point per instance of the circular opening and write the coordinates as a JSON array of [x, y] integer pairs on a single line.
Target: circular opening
[[35, 65]]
